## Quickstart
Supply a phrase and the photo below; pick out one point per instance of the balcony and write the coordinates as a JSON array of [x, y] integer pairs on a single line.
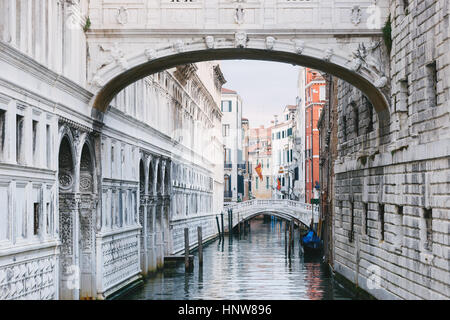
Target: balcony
[[241, 166], [228, 194], [227, 165]]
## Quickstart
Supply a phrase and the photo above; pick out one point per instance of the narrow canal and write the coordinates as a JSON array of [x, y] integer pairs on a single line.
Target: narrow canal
[[254, 266]]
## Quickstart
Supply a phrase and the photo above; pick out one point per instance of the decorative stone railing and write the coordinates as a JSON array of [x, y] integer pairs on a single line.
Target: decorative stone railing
[[287, 209]]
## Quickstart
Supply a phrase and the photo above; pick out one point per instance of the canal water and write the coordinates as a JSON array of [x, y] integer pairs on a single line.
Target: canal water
[[254, 266]]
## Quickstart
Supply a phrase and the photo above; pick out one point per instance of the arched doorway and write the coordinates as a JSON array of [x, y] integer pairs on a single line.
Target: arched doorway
[[69, 270]]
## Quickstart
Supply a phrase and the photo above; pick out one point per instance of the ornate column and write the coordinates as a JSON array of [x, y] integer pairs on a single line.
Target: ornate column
[[143, 205], [155, 162], [69, 205], [163, 174], [152, 235]]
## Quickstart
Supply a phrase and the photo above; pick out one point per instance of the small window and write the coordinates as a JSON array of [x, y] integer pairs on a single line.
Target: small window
[[352, 220], [49, 147], [369, 108], [19, 138], [366, 219], [428, 217], [405, 7], [35, 139], [432, 84], [381, 217], [2, 133], [356, 119], [399, 225], [36, 219], [225, 130], [344, 128]]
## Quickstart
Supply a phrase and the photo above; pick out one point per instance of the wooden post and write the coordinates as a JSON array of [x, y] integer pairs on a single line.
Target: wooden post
[[230, 222], [200, 246], [285, 236], [292, 232], [186, 248], [218, 225], [290, 239], [239, 226], [223, 227]]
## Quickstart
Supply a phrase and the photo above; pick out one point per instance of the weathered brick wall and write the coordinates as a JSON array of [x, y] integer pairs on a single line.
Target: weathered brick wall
[[392, 203]]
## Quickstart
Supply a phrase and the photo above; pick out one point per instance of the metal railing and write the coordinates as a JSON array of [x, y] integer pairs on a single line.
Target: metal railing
[[228, 194], [241, 166]]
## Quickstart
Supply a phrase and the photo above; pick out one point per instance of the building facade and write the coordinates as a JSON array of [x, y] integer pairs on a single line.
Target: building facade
[[88, 207], [390, 188], [328, 142], [246, 171], [260, 153], [283, 146], [315, 96], [234, 163]]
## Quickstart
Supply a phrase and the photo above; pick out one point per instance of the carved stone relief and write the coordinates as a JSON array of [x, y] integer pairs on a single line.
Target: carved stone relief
[[356, 15], [240, 39], [122, 16]]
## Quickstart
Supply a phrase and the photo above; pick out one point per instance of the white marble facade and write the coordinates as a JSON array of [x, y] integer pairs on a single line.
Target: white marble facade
[[87, 207]]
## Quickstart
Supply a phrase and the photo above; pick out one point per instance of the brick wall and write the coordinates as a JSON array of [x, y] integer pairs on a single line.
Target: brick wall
[[392, 194]]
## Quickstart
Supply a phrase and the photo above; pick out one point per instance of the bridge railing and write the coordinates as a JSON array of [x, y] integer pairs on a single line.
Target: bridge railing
[[272, 203]]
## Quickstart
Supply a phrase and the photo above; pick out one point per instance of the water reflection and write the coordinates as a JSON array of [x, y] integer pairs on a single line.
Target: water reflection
[[253, 266]]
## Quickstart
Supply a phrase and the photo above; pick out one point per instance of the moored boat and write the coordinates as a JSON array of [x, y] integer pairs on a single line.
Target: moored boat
[[312, 245]]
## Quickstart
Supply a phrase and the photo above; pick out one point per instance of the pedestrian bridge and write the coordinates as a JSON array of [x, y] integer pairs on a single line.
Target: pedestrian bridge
[[285, 209]]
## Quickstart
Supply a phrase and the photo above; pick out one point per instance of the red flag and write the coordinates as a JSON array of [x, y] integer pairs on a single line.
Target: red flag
[[258, 170], [279, 185]]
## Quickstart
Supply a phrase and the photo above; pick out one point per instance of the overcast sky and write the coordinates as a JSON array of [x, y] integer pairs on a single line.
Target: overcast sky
[[265, 87]]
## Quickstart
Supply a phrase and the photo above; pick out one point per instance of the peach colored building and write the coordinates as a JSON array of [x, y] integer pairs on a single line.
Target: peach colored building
[[315, 97]]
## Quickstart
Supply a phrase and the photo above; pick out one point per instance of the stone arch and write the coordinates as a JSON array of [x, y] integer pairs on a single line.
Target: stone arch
[[344, 64], [159, 180], [68, 212], [167, 179], [87, 169], [151, 177], [142, 178], [66, 164]]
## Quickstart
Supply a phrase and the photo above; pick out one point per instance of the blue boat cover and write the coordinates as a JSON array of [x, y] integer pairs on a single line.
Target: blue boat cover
[[311, 237]]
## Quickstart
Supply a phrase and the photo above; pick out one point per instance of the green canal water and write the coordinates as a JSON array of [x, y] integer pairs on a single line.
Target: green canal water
[[254, 266]]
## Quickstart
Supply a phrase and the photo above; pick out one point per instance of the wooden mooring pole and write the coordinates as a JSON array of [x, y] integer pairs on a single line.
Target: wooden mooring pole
[[285, 236], [223, 227], [186, 249], [292, 232], [239, 227], [290, 239], [218, 226], [200, 246]]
